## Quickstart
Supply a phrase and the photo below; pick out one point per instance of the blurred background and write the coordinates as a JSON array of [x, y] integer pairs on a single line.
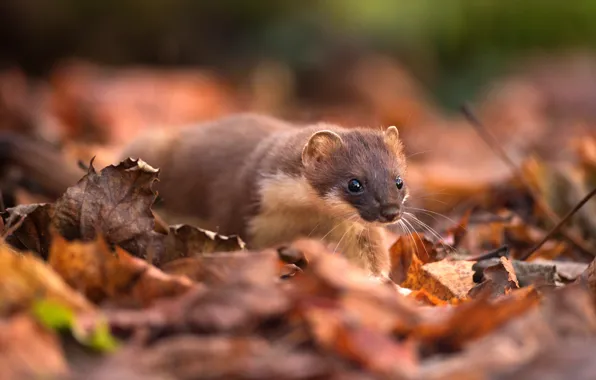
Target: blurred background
[[89, 75]]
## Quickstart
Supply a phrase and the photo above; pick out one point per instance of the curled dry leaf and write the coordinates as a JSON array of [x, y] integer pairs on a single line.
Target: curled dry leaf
[[188, 241], [445, 279], [539, 274], [567, 271], [25, 279], [92, 268], [29, 350], [406, 249], [565, 314], [29, 227], [499, 279], [472, 320], [340, 331], [115, 202]]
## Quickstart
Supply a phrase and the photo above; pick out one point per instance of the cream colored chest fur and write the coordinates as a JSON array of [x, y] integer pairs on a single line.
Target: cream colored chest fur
[[291, 209]]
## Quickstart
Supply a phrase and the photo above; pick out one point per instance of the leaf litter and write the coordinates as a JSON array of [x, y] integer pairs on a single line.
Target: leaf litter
[[95, 285]]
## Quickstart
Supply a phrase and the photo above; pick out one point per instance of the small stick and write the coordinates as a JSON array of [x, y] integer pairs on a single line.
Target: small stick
[[559, 225], [10, 229], [501, 251], [499, 151]]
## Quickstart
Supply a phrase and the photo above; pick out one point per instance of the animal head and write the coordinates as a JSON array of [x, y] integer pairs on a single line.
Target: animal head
[[358, 172]]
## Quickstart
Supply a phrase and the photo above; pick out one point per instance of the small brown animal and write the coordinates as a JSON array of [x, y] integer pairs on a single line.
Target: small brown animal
[[272, 182]]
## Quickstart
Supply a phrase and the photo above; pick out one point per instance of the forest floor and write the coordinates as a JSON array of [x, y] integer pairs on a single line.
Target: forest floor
[[503, 280]]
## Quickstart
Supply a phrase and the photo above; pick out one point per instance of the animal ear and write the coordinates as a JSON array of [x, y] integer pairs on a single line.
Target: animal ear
[[392, 138], [320, 145]]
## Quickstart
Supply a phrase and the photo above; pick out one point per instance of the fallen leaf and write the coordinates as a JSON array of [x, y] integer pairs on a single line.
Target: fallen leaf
[[445, 279], [357, 339], [539, 274], [401, 256], [567, 271], [499, 279], [31, 225], [30, 350], [220, 268], [59, 317], [92, 268], [426, 298], [188, 241], [570, 359], [222, 357], [115, 202], [376, 352], [25, 279], [473, 320]]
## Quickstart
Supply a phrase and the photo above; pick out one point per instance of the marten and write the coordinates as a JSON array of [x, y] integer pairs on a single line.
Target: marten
[[266, 180]]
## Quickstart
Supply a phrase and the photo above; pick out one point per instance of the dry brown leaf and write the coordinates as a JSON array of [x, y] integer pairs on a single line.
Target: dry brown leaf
[[407, 249], [101, 274], [327, 273], [401, 256], [220, 268], [473, 320], [567, 271], [189, 241], [500, 279], [25, 279], [570, 359], [376, 352], [367, 344], [115, 202], [445, 279], [214, 357], [426, 298], [30, 227], [29, 350], [539, 274]]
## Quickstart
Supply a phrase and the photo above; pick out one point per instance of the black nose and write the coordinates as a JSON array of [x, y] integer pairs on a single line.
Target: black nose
[[389, 213]]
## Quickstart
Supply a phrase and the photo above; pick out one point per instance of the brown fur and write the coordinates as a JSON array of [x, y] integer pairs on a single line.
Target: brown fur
[[271, 182]]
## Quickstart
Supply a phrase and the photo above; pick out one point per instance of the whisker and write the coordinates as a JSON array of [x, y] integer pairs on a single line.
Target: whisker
[[342, 238], [430, 230], [431, 213], [424, 226], [410, 236], [417, 153], [313, 230], [352, 217], [423, 245], [430, 200], [429, 193]]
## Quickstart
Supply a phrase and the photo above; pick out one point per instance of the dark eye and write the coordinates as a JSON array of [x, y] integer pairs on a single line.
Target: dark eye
[[354, 186], [399, 183]]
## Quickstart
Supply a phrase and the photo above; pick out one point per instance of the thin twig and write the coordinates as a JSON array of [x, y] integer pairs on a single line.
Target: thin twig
[[559, 225], [10, 229], [494, 144], [501, 251]]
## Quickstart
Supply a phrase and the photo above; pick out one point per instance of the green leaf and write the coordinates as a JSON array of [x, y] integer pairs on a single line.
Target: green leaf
[[53, 315], [56, 316]]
